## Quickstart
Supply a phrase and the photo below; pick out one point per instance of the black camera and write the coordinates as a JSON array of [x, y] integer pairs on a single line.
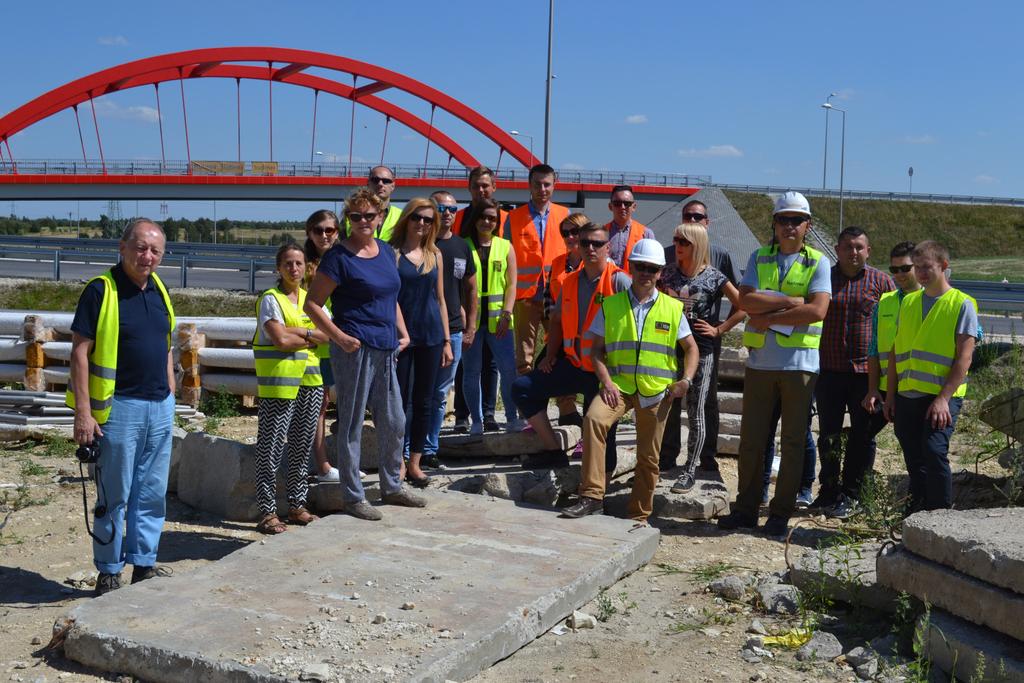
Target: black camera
[[88, 454]]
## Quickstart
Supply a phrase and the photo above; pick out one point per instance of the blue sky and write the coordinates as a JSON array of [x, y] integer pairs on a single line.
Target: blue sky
[[726, 89]]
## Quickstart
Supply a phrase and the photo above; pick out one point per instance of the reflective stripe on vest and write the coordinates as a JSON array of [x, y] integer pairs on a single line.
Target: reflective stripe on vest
[[531, 258], [888, 316], [636, 233], [492, 293], [925, 349], [279, 374], [644, 363], [103, 357], [575, 343], [796, 283]]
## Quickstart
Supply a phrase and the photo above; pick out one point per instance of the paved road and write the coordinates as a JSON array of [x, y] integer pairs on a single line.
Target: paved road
[[197, 277]]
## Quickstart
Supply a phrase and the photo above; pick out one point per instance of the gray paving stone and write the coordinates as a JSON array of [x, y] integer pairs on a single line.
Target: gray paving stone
[[953, 591], [706, 500], [845, 573], [954, 645], [987, 544], [486, 576], [502, 444]]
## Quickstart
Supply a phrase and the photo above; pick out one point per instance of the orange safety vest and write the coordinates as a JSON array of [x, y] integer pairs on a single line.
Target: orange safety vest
[[461, 213], [558, 273], [531, 259], [575, 343], [636, 233]]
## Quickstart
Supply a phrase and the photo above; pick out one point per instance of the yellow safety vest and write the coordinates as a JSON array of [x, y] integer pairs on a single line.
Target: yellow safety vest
[[925, 349], [888, 317], [492, 293], [797, 282], [279, 374], [324, 350], [644, 362], [103, 357], [387, 226]]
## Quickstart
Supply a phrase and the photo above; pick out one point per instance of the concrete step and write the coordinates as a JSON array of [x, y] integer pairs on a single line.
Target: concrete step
[[426, 594], [956, 646]]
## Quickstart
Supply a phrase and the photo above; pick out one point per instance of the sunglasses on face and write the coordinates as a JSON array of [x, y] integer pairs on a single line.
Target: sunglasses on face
[[356, 217], [421, 218], [683, 242], [596, 244], [622, 203], [382, 181], [324, 231], [694, 217], [901, 269], [792, 221], [487, 218], [571, 232], [447, 208], [648, 268]]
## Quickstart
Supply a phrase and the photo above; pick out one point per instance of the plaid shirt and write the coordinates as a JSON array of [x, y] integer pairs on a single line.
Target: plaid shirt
[[847, 328]]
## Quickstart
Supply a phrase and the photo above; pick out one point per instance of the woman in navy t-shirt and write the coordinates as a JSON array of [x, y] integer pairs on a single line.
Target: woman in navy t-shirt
[[360, 277]]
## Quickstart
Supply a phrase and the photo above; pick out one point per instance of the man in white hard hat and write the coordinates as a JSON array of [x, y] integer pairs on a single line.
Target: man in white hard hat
[[634, 340], [786, 290]]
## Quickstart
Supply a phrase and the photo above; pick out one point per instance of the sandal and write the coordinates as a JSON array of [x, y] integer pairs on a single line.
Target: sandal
[[271, 525], [301, 516]]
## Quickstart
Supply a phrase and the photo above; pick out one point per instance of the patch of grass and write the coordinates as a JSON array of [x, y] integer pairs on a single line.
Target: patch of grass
[[45, 295], [707, 617], [219, 404], [881, 507], [58, 447], [706, 573], [212, 425], [32, 469], [605, 607]]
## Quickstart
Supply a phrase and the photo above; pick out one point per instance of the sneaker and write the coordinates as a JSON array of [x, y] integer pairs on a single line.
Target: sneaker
[[461, 425], [546, 460], [683, 484], [405, 498], [737, 520], [363, 510], [331, 477], [844, 509], [583, 507], [577, 453], [145, 573], [431, 462], [516, 426], [824, 501], [476, 429], [490, 424], [776, 527], [570, 419], [106, 583], [804, 499]]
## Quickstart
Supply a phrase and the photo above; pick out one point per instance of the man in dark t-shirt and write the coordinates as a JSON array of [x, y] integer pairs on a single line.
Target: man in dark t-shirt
[[460, 296]]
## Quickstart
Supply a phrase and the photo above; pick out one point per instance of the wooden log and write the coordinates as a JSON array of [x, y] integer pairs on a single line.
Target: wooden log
[[35, 330]]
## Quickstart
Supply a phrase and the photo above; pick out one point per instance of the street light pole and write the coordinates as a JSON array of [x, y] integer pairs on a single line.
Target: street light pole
[[842, 158], [824, 166], [523, 135], [547, 95]]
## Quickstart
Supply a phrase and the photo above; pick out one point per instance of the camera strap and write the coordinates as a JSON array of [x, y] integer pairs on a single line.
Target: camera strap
[[85, 504]]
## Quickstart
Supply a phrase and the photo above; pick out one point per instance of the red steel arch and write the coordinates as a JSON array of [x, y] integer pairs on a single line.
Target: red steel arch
[[222, 63]]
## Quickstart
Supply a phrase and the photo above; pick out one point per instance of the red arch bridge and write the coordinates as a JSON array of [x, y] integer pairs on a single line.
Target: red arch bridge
[[94, 176]]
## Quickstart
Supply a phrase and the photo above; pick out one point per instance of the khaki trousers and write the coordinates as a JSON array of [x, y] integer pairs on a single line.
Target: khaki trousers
[[650, 425], [528, 324]]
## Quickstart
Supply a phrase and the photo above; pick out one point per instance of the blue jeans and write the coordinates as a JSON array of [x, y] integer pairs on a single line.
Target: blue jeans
[[926, 452], [438, 402], [504, 354], [135, 455]]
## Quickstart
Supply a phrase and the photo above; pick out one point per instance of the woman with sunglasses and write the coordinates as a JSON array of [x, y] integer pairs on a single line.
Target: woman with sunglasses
[[290, 390], [321, 234], [700, 286], [361, 278], [495, 262], [421, 299]]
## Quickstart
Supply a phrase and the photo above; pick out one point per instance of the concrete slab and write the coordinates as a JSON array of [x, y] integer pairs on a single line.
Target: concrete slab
[[955, 646], [425, 595], [1005, 413], [846, 574], [987, 544], [502, 444], [706, 500], [961, 595]]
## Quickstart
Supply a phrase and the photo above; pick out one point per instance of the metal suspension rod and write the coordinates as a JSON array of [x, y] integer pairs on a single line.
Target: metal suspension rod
[[312, 143], [184, 117], [3, 161], [352, 127], [430, 133], [160, 120], [81, 138], [238, 115], [270, 96], [501, 152], [99, 143], [387, 122], [10, 155]]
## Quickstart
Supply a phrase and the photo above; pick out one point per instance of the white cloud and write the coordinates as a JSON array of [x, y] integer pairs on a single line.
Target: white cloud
[[112, 110], [712, 151], [116, 41], [985, 179], [635, 119], [845, 94], [919, 139], [572, 167]]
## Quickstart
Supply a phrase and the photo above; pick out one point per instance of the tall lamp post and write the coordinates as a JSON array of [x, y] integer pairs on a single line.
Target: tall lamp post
[[824, 166], [523, 135], [547, 87], [842, 158]]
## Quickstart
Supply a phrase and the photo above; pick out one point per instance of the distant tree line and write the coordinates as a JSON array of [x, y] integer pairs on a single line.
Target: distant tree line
[[176, 229]]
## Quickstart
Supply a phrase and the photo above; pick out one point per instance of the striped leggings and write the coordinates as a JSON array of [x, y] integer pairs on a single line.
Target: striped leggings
[[294, 421], [702, 415]]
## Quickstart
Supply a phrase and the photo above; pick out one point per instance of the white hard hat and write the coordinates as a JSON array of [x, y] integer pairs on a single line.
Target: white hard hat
[[648, 251], [793, 202]]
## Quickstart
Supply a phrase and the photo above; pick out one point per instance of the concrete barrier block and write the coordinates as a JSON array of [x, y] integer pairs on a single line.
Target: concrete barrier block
[[503, 444], [730, 402], [706, 500], [846, 574], [218, 475], [177, 441], [957, 646]]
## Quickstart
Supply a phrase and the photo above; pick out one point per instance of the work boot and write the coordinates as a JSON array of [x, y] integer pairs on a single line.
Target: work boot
[[363, 510], [776, 527], [737, 520], [145, 573], [583, 507], [106, 583]]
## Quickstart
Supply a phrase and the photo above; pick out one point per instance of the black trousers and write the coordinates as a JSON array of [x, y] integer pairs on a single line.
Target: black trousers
[[926, 452], [417, 373], [836, 394]]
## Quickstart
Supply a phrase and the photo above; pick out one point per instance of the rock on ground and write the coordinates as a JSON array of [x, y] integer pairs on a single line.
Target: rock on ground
[[845, 573], [823, 647], [779, 598]]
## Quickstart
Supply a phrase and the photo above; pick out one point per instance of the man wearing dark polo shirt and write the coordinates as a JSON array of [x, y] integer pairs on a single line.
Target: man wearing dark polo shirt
[[122, 390], [843, 382]]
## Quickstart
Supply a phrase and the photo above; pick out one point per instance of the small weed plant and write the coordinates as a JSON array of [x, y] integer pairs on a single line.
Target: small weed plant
[[219, 404]]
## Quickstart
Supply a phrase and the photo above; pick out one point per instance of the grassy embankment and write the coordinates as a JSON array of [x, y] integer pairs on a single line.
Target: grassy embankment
[[986, 242], [44, 295]]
